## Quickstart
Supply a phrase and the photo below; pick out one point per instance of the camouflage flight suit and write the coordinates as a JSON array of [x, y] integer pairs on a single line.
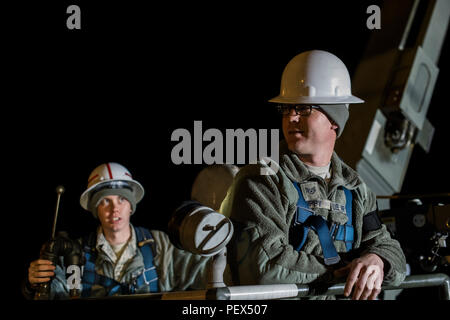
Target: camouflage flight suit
[[262, 207], [177, 269]]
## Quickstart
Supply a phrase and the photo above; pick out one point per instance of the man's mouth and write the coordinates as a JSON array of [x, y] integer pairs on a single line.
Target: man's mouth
[[295, 131], [116, 219]]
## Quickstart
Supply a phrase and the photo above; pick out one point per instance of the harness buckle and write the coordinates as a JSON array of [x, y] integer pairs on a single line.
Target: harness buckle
[[301, 214], [334, 230], [332, 260], [144, 242], [147, 282]]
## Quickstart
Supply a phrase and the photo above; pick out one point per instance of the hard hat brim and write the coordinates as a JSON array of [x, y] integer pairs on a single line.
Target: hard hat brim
[[316, 100], [138, 190]]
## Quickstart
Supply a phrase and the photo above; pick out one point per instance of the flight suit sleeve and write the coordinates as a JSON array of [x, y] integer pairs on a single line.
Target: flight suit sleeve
[[59, 289], [58, 286], [377, 239], [260, 205], [179, 269]]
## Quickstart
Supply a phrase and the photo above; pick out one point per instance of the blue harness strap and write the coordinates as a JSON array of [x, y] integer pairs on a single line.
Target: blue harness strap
[[345, 232], [306, 219], [348, 235], [90, 278], [326, 242], [302, 213], [148, 277]]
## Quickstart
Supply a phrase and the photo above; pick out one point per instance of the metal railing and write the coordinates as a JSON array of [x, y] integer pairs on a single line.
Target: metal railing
[[280, 291]]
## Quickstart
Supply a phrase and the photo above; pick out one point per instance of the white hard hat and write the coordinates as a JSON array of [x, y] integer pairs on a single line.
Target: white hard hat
[[114, 175], [315, 77]]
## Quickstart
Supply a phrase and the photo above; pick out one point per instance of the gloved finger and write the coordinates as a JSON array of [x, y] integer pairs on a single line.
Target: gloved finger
[[39, 280], [360, 285], [42, 274], [377, 287], [370, 285], [40, 262], [374, 294], [44, 261], [40, 277], [352, 278], [44, 267]]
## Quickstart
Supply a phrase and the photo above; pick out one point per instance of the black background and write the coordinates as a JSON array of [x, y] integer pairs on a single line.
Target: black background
[[116, 90]]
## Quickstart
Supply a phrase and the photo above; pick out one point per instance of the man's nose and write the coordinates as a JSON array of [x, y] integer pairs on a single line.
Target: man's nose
[[114, 205], [293, 116]]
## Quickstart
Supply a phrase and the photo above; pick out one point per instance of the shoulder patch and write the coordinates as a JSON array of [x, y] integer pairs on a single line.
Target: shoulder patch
[[310, 190]]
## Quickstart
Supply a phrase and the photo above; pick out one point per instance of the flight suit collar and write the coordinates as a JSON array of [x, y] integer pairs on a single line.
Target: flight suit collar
[[296, 170]]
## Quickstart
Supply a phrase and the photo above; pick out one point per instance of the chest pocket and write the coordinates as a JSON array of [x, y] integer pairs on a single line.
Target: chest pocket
[[306, 219]]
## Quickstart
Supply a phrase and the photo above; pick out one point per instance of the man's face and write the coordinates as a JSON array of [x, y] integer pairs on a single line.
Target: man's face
[[114, 213], [308, 135]]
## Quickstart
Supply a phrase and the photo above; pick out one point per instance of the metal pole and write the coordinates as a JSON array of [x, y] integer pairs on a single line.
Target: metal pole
[[426, 280], [416, 196], [304, 290], [280, 291], [59, 191]]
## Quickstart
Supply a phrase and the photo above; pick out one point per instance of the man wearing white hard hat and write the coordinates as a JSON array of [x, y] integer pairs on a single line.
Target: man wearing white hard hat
[[121, 258], [314, 220]]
